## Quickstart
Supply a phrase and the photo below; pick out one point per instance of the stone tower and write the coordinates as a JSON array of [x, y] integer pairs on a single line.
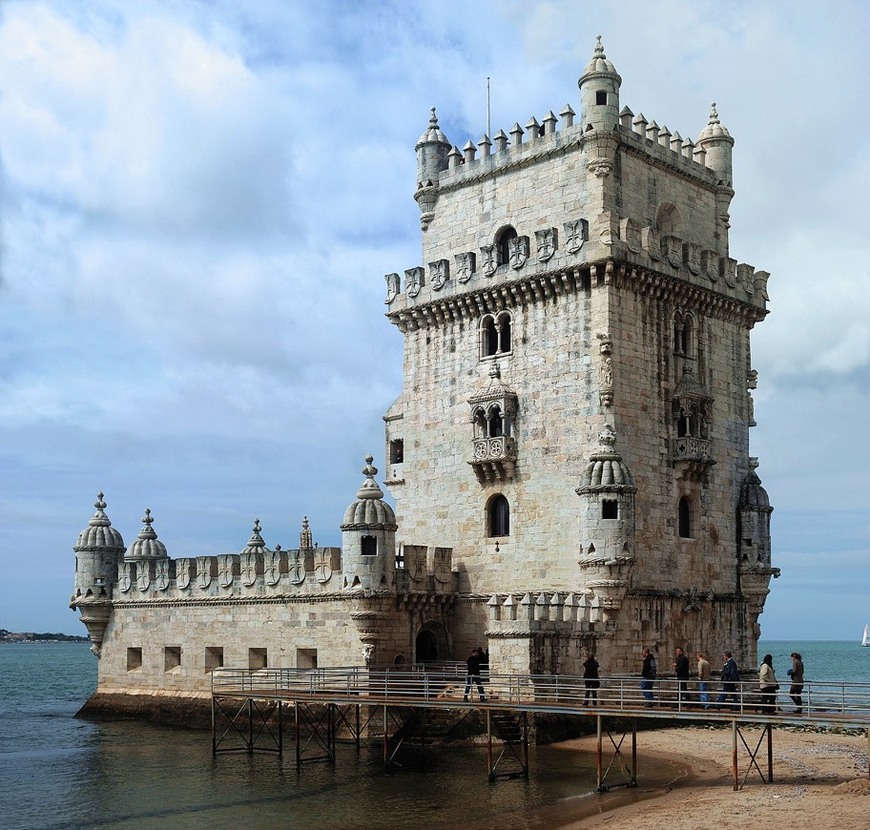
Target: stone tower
[[574, 421]]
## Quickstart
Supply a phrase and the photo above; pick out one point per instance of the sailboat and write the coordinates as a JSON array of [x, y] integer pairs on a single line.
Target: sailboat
[[865, 640]]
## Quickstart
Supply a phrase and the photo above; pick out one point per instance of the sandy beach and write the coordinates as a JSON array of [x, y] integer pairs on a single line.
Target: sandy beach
[[820, 780]]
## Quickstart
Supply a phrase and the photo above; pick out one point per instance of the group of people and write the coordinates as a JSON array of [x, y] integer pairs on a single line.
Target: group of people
[[767, 682], [730, 692]]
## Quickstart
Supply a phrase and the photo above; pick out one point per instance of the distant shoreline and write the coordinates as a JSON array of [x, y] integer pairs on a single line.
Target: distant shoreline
[[18, 637]]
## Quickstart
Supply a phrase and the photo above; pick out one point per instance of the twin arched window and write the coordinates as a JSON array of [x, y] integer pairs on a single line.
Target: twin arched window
[[495, 334]]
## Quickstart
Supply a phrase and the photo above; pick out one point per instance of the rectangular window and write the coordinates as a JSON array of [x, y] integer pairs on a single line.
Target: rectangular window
[[397, 451], [214, 657], [369, 546], [609, 509], [171, 657], [134, 659], [306, 658], [257, 658]]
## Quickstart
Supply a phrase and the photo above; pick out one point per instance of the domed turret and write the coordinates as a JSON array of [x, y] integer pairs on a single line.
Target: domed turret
[[599, 92], [607, 522], [368, 537], [753, 520], [432, 148], [717, 143], [98, 550], [147, 545]]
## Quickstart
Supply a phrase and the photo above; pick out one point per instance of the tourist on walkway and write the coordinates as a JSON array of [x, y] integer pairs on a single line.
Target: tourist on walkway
[[730, 679], [796, 673], [681, 669], [703, 680], [648, 674], [767, 685], [472, 674], [590, 680]]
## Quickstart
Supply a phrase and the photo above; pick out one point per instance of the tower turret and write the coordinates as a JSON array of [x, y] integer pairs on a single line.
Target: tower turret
[[368, 537], [599, 92], [99, 549], [432, 150], [717, 143], [607, 523]]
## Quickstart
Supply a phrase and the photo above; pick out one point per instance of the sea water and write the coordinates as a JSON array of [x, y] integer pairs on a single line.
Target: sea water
[[58, 772]]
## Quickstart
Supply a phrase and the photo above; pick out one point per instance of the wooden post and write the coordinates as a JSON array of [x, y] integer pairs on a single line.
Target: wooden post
[[296, 732], [634, 752], [489, 745]]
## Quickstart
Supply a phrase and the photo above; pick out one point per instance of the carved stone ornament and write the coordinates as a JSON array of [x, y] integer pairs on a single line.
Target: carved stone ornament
[[296, 567], [710, 265], [629, 233], [203, 571], [248, 568], [440, 273], [143, 576], [124, 580], [272, 567], [692, 257], [443, 573], [161, 574], [225, 570], [673, 250], [393, 287], [547, 242], [465, 265], [322, 565], [182, 573], [414, 281], [518, 252], [576, 233], [600, 167], [488, 261], [649, 239]]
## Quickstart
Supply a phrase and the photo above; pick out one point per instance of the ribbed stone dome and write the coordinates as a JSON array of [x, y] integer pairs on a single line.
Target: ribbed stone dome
[[606, 470], [433, 132], [369, 511], [256, 543], [99, 534], [752, 495], [599, 63], [714, 128], [147, 545]]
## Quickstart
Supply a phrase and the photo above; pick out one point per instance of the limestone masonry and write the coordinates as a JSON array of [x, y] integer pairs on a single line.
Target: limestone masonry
[[569, 455]]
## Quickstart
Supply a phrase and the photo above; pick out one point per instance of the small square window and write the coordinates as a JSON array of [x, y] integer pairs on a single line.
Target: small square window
[[214, 657], [306, 658], [601, 97], [171, 657], [257, 658], [369, 546], [609, 509], [134, 659]]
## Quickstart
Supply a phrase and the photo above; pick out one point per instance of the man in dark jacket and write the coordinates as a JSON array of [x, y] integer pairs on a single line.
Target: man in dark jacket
[[472, 674], [730, 679], [681, 669], [648, 674]]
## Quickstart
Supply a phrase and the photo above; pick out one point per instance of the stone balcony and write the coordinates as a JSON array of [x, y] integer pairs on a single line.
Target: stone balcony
[[494, 458], [691, 456]]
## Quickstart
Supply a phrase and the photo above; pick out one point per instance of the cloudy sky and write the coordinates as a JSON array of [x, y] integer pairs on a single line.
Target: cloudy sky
[[200, 200]]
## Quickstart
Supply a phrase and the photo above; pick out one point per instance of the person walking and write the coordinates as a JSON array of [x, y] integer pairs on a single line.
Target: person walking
[[703, 680], [648, 674], [796, 673], [472, 674], [681, 669], [730, 679], [591, 680], [767, 685]]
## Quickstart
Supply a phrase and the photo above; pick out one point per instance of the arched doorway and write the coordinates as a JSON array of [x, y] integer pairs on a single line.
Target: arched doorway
[[432, 643]]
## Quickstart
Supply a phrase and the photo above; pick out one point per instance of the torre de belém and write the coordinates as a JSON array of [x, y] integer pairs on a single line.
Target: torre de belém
[[569, 455]]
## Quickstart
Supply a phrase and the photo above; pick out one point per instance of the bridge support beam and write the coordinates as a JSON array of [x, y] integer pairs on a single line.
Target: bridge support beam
[[600, 772]]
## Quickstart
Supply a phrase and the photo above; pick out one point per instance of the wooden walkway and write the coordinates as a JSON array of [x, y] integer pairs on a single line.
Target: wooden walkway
[[250, 707]]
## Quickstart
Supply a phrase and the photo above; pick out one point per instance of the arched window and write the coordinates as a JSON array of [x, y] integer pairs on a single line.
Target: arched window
[[502, 244], [496, 422], [495, 334], [685, 518], [684, 335], [499, 517], [480, 426]]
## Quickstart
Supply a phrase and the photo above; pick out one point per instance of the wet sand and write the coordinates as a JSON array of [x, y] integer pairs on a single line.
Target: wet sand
[[820, 780]]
